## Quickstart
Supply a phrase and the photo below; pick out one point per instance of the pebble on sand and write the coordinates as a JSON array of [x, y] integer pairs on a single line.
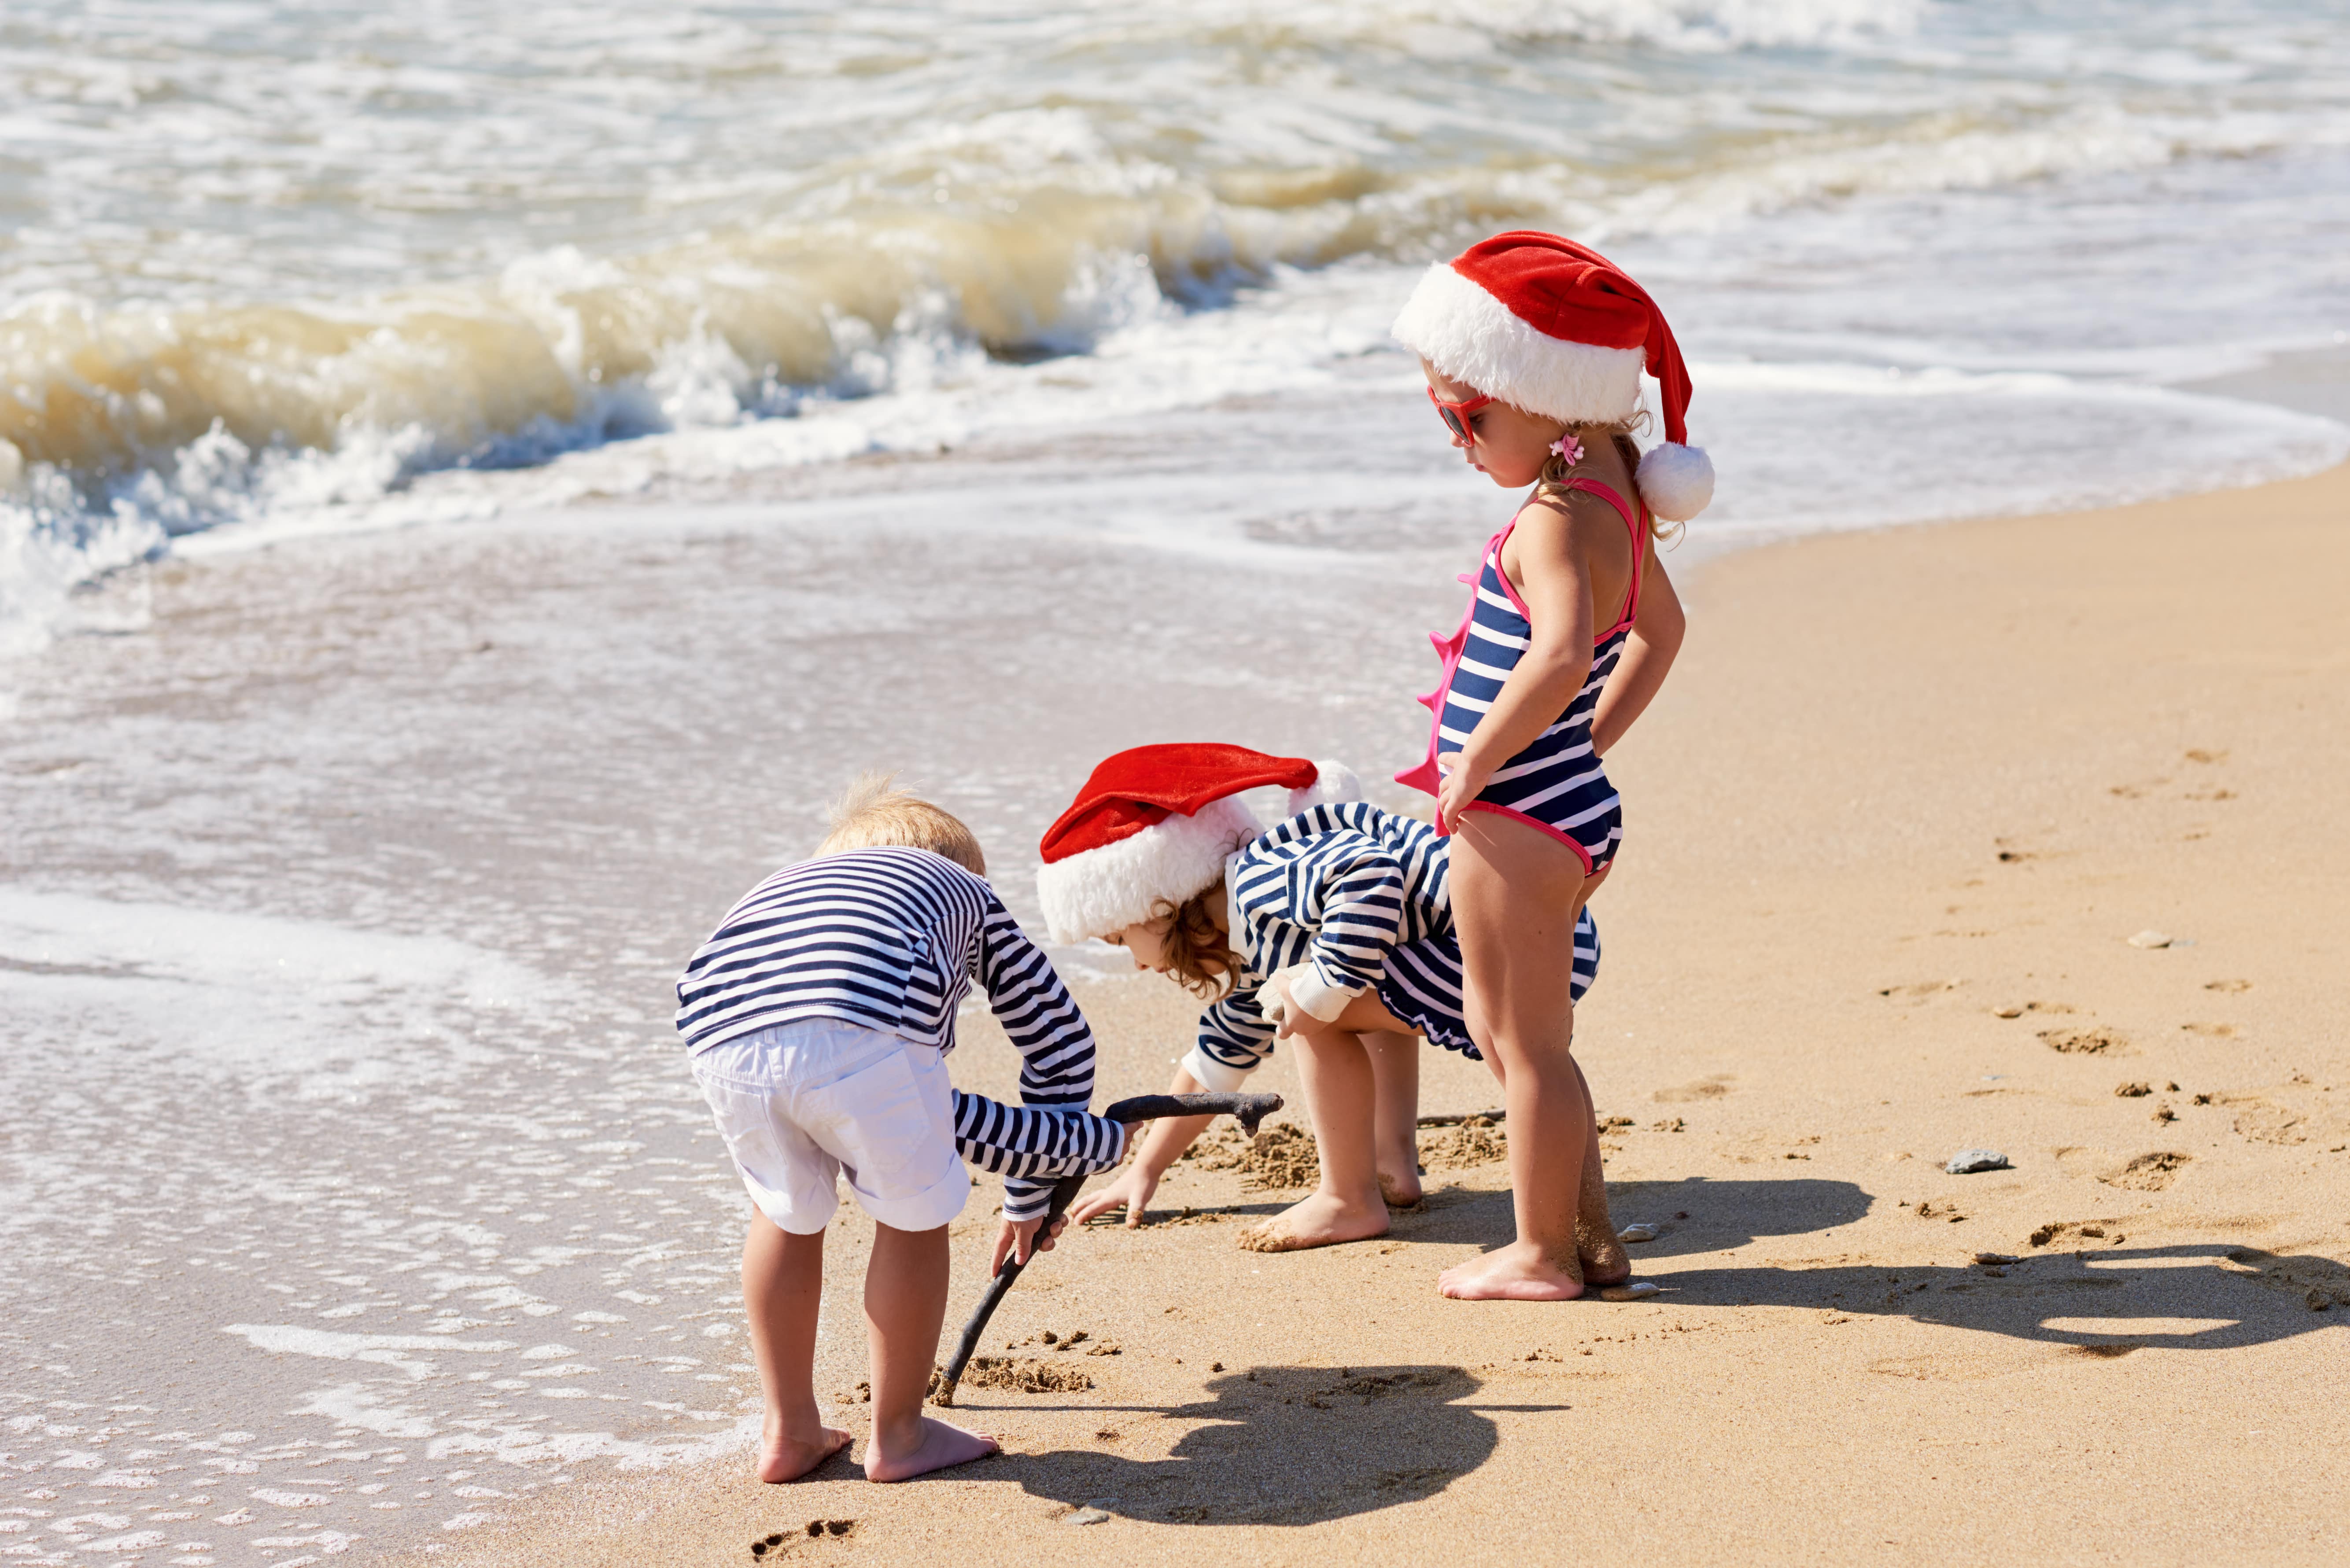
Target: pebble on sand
[[1086, 1515], [1967, 1161], [2150, 940], [1640, 1233], [1631, 1290]]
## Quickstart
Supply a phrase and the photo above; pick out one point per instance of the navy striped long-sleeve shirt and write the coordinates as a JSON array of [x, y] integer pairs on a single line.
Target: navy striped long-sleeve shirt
[[1336, 887], [893, 938]]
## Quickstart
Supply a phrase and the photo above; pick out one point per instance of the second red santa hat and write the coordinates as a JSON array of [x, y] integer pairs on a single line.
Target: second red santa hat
[[1153, 826], [1556, 329]]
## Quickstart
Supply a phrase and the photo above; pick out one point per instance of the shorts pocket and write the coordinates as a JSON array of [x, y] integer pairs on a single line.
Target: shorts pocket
[[874, 1121], [746, 1119]]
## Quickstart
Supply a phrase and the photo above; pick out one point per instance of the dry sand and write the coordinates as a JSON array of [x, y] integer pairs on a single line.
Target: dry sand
[[1903, 785]]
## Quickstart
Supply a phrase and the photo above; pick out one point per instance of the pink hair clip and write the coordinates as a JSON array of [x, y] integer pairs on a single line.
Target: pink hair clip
[[1567, 447]]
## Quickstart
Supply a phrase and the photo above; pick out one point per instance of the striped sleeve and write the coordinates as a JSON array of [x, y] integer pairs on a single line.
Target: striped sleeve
[[1031, 1149], [1056, 1046], [1235, 1037], [1358, 886]]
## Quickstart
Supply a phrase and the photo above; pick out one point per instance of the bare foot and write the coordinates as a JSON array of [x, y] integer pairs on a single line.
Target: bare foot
[[783, 1458], [1400, 1192], [1517, 1273], [1602, 1257], [941, 1446], [1319, 1221]]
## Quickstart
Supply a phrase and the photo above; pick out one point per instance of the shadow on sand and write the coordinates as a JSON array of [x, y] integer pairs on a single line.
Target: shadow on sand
[[1699, 1216], [2104, 1301], [2101, 1300], [1283, 1445]]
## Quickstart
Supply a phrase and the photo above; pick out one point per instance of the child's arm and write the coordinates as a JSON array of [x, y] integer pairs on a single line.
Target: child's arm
[[1657, 626], [1057, 1048], [1354, 905], [1161, 1147], [1234, 1037], [1554, 578]]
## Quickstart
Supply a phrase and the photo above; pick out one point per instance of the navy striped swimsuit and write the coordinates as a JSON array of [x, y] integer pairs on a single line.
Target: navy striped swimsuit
[[1557, 783]]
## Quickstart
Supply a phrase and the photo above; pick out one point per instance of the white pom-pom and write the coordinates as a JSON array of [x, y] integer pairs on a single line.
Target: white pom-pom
[[1332, 783], [1677, 482]]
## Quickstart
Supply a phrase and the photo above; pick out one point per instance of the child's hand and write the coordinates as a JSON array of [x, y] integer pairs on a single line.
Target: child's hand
[[1463, 781], [1018, 1237], [1131, 1190], [1274, 1001]]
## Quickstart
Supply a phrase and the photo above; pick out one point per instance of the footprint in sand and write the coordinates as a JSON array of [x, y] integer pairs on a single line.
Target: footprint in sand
[[1706, 1089], [2148, 1172], [2098, 1041], [2079, 1230], [816, 1529], [1918, 991], [2262, 1121]]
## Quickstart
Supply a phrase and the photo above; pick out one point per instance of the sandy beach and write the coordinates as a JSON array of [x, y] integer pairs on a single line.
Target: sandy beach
[[1892, 831]]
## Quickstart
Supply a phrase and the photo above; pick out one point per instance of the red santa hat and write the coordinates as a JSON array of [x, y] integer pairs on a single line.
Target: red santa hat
[[1153, 826], [1554, 327]]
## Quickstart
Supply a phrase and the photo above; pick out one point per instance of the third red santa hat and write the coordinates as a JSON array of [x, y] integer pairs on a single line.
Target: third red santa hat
[[1556, 329], [1153, 826]]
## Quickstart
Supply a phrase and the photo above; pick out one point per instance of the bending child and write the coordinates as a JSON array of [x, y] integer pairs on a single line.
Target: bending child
[[819, 1014], [1533, 347], [1331, 927]]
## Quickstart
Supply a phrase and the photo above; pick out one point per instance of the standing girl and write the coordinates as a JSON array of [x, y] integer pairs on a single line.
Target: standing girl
[[1533, 347]]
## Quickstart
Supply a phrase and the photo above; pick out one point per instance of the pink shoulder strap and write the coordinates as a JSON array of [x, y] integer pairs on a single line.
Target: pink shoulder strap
[[1638, 527]]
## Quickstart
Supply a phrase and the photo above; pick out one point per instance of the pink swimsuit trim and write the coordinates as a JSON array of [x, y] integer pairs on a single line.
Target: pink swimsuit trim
[[1426, 777]]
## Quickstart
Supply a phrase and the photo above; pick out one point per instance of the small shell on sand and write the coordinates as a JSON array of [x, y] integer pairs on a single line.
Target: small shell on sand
[[1644, 1232], [2150, 940], [1968, 1160], [1631, 1290], [1088, 1515]]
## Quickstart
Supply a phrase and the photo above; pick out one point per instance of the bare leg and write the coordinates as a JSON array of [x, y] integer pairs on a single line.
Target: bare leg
[[1341, 1095], [783, 1281], [1602, 1257], [905, 1302], [1515, 895], [1598, 1254], [1395, 1070]]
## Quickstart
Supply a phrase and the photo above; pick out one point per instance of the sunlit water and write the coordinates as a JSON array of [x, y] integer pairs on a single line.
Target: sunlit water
[[262, 261]]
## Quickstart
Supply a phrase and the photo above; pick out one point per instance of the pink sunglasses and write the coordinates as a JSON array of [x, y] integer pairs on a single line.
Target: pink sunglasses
[[1456, 415]]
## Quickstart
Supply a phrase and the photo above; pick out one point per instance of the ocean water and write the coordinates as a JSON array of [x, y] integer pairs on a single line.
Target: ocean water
[[476, 480], [321, 266]]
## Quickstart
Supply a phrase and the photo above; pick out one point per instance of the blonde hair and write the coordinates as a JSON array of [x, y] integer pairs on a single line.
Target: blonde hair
[[1198, 957], [1556, 470], [871, 814]]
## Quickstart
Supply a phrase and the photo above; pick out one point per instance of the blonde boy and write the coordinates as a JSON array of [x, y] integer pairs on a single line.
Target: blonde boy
[[818, 1016]]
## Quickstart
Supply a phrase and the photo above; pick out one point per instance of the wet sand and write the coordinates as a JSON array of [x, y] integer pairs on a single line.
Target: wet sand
[[1890, 832]]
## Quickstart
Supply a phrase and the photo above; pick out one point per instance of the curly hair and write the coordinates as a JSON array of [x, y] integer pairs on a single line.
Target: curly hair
[[1198, 957]]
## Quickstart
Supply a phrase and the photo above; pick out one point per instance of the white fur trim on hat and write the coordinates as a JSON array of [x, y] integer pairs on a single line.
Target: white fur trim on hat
[[1119, 884], [1677, 482], [1332, 783], [1472, 337]]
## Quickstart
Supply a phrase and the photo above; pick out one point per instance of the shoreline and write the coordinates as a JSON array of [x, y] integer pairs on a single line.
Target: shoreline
[[1906, 783]]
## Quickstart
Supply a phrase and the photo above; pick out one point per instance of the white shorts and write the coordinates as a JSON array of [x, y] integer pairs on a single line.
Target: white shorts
[[806, 1102]]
